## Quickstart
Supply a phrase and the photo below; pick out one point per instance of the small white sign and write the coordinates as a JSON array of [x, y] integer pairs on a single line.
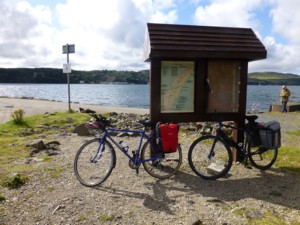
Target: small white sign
[[67, 68], [68, 49]]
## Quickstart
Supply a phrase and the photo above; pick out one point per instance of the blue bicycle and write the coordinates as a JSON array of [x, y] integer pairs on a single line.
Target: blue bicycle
[[96, 158]]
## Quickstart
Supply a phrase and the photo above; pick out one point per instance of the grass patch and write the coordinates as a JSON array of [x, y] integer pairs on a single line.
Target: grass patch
[[2, 198], [297, 132], [14, 137], [55, 172], [289, 159], [106, 218], [50, 188], [269, 218], [14, 181], [81, 218]]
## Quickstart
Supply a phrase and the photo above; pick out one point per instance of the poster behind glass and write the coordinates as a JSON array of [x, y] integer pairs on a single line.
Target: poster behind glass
[[177, 86]]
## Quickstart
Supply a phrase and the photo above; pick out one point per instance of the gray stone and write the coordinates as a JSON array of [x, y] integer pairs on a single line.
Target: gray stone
[[37, 144], [215, 168], [81, 130]]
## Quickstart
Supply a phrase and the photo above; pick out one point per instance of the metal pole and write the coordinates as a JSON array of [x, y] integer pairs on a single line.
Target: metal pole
[[68, 77]]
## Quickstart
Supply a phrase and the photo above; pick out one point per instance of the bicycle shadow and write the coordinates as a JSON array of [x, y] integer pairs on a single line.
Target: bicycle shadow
[[275, 187], [278, 187], [158, 201]]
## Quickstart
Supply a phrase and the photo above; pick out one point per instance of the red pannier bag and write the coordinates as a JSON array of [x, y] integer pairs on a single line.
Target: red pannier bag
[[168, 136]]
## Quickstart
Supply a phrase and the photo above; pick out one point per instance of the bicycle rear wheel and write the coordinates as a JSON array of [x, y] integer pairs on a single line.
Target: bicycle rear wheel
[[162, 167], [262, 158], [207, 161], [93, 167]]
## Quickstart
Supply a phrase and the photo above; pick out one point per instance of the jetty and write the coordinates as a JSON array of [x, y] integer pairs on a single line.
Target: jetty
[[291, 107]]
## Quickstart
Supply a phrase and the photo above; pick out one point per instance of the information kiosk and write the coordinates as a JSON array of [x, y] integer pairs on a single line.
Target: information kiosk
[[198, 70]]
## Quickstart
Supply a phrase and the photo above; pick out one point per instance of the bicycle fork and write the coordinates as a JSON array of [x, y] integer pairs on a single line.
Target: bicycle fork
[[98, 156]]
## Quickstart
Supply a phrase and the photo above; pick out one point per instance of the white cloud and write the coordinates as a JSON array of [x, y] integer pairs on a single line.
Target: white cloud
[[284, 15], [160, 17], [233, 13], [286, 20], [112, 35]]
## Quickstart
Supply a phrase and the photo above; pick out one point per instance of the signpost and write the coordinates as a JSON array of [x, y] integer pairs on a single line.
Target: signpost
[[67, 67]]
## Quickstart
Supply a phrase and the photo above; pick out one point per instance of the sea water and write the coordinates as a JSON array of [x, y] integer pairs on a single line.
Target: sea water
[[137, 96]]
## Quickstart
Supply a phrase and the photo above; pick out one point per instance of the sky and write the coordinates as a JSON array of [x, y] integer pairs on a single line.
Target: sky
[[110, 34]]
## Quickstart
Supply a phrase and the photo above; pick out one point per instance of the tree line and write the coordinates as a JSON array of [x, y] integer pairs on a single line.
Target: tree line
[[56, 76]]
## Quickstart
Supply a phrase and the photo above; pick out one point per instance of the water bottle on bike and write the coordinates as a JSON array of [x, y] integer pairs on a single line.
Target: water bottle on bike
[[125, 147]]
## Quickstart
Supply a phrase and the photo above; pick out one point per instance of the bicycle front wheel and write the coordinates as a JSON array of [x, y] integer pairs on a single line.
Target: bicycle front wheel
[[210, 161], [262, 158], [93, 166], [162, 167]]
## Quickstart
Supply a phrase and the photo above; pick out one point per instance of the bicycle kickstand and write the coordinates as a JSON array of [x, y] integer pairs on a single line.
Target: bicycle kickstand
[[247, 163]]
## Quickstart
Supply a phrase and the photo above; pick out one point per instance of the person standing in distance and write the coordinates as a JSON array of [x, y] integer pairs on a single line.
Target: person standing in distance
[[284, 97]]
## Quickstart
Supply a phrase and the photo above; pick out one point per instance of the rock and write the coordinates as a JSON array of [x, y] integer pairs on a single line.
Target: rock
[[194, 220], [38, 145], [81, 130], [215, 168], [54, 145], [125, 134]]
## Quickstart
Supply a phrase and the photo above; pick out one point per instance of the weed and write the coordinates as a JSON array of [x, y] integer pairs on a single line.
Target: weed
[[81, 218], [55, 172], [15, 181], [269, 219], [17, 116], [106, 218], [50, 189], [2, 198]]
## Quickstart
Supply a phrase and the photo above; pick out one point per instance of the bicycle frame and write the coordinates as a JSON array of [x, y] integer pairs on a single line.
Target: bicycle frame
[[135, 158], [241, 149]]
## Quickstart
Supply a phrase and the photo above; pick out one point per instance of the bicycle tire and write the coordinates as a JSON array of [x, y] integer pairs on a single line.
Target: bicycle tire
[[164, 167], [215, 167], [261, 158], [89, 173]]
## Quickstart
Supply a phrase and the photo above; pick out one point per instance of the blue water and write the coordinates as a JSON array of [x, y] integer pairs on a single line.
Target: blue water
[[136, 96]]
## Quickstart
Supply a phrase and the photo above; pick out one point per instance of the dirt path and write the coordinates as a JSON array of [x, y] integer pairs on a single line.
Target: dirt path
[[54, 196]]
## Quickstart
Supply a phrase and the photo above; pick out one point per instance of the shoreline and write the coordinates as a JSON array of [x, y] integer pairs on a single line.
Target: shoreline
[[37, 106]]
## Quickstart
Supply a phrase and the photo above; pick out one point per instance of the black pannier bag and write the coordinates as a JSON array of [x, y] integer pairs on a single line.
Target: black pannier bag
[[270, 135], [255, 138]]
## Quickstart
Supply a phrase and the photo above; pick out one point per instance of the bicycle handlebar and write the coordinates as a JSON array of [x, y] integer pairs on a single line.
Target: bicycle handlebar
[[251, 119], [103, 122]]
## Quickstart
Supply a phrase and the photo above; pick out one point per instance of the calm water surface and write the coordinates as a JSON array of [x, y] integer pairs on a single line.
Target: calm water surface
[[128, 95]]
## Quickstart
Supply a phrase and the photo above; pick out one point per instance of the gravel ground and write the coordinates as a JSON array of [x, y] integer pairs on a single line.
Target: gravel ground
[[54, 196]]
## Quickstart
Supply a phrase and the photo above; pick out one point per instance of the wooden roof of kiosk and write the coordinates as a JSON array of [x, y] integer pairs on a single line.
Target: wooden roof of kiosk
[[186, 41], [201, 45]]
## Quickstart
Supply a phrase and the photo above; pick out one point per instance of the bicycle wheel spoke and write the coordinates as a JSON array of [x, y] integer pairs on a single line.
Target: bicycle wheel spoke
[[262, 158], [207, 163], [92, 167], [163, 167]]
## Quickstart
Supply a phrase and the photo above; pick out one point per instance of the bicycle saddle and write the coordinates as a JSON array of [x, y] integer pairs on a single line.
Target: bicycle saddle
[[146, 123], [251, 118]]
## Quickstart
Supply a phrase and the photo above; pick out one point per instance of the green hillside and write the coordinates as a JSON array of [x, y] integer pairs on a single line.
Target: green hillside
[[273, 78]]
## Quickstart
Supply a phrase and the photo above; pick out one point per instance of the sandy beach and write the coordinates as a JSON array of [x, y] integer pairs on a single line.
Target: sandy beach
[[34, 106]]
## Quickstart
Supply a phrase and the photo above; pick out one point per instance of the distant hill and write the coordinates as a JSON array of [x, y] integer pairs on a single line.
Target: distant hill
[[273, 78]]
